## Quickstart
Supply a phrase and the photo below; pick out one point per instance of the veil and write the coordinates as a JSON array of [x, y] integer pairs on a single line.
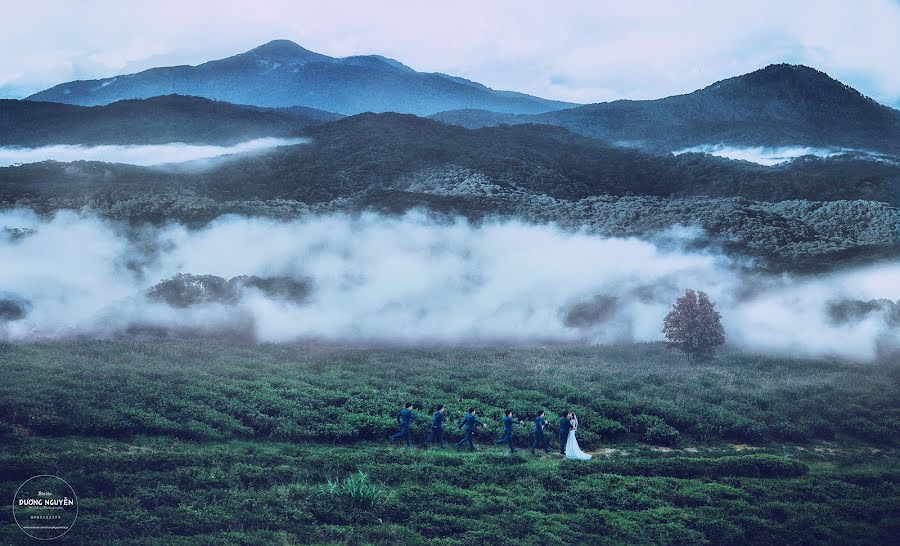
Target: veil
[[575, 418]]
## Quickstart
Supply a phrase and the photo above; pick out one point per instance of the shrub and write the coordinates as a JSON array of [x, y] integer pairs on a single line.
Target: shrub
[[607, 429], [184, 290], [662, 434], [13, 309], [760, 466], [751, 466], [653, 430]]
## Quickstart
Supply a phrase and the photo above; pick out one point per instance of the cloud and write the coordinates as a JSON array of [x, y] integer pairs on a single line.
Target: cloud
[[762, 155], [416, 280], [579, 51], [774, 156], [150, 154]]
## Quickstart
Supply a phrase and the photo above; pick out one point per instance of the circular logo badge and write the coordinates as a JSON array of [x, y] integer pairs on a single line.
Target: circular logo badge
[[45, 507]]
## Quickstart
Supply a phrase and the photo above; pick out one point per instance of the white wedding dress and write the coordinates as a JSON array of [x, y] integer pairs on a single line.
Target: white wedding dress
[[572, 449]]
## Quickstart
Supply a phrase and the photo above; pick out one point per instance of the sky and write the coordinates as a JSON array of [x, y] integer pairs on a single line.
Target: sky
[[579, 51]]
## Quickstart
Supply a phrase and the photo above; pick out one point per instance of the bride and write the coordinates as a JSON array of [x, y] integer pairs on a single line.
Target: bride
[[572, 449]]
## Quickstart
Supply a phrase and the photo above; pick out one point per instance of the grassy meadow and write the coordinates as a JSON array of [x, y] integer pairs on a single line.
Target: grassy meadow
[[204, 442]]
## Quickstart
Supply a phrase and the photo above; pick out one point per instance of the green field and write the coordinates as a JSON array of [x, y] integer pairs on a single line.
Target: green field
[[202, 442]]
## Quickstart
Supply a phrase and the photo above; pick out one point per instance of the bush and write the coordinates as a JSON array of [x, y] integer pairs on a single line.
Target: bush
[[750, 466], [607, 429], [760, 466], [184, 290], [653, 430], [662, 434]]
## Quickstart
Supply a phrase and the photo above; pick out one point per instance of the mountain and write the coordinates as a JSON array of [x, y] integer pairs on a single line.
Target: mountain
[[281, 73], [780, 105], [157, 120]]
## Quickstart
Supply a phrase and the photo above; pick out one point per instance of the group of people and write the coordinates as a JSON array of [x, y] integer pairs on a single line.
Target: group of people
[[568, 424]]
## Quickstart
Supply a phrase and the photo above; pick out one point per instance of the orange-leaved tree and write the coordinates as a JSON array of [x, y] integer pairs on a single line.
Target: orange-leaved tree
[[693, 325]]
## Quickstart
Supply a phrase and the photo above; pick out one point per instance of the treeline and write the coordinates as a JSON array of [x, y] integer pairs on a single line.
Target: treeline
[[789, 235]]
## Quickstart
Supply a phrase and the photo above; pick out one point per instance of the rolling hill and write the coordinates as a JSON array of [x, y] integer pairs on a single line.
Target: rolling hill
[[811, 213], [372, 152], [156, 120]]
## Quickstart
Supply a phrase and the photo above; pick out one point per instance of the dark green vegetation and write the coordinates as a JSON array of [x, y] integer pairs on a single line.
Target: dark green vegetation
[[281, 73], [780, 105], [197, 442], [364, 154], [808, 214], [185, 290], [204, 390], [158, 120]]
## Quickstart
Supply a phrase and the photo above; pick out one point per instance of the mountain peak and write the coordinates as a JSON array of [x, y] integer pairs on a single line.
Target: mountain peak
[[281, 45], [791, 72], [284, 50], [791, 78]]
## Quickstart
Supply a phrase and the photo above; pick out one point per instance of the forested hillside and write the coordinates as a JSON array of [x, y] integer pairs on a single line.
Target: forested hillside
[[797, 212], [157, 120], [780, 105]]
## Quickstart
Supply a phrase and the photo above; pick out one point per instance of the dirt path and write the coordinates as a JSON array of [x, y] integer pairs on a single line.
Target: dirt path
[[614, 451], [824, 449]]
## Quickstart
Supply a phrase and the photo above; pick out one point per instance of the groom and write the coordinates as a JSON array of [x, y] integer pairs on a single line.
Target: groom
[[565, 425]]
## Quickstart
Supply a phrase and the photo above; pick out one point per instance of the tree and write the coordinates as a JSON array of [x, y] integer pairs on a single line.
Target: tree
[[693, 325]]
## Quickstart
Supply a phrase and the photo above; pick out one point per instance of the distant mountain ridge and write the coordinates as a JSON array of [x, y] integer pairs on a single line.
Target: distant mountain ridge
[[777, 106], [282, 73], [780, 105], [157, 120]]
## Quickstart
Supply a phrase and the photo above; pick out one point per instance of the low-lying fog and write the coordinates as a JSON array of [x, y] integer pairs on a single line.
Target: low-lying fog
[[772, 156], [411, 279], [145, 155]]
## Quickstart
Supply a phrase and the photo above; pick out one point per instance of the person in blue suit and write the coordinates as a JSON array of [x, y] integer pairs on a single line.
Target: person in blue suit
[[565, 425], [437, 428], [507, 437], [468, 424], [404, 418], [540, 440]]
